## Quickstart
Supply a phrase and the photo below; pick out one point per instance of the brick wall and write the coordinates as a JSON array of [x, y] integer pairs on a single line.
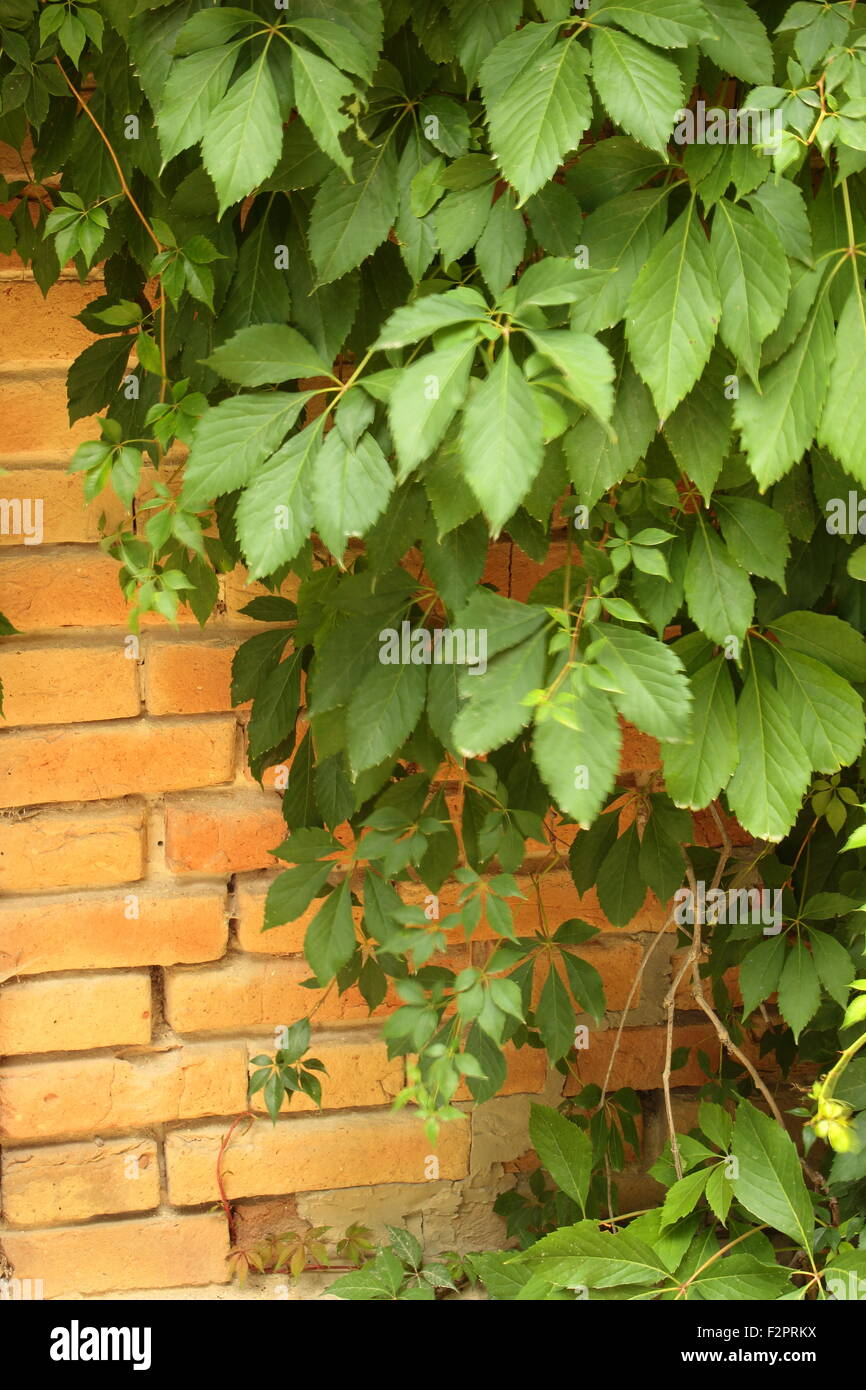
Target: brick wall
[[133, 868]]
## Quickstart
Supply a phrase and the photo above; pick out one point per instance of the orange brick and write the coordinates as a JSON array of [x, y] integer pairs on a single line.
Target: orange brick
[[160, 1252], [640, 1058], [192, 677], [514, 574], [44, 329], [66, 586], [640, 752], [311, 1155], [50, 1186], [359, 1072], [115, 759], [222, 833], [68, 849], [243, 992], [103, 1095], [35, 420], [63, 515], [75, 1013], [100, 931], [67, 684], [61, 587]]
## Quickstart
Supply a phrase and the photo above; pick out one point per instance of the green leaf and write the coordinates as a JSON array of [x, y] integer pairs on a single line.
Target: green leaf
[[760, 972], [349, 220], [291, 893], [843, 429], [653, 691], [756, 536], [778, 425], [425, 400], [699, 430], [275, 707], [232, 439], [799, 988], [754, 281], [243, 135], [274, 516], [770, 1182], [620, 884], [583, 1255], [538, 103], [719, 593], [641, 90], [554, 1016], [579, 767], [330, 938], [383, 712], [619, 237], [253, 662], [493, 712], [320, 89], [461, 218], [673, 312], [586, 365], [194, 87], [265, 353], [429, 314], [696, 772], [774, 770], [826, 639], [478, 27], [833, 963], [586, 985], [668, 23], [780, 206], [684, 1196], [565, 1151], [95, 376], [737, 41], [351, 488], [660, 862], [499, 250], [827, 712], [597, 462], [501, 442]]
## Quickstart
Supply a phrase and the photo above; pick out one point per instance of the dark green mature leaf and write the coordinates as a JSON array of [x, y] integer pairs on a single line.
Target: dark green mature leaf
[[383, 712], [718, 591], [94, 378], [330, 938], [774, 769], [697, 771], [350, 219]]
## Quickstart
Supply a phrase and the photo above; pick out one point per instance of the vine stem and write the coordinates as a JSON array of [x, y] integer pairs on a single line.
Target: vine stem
[[115, 161], [128, 194]]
